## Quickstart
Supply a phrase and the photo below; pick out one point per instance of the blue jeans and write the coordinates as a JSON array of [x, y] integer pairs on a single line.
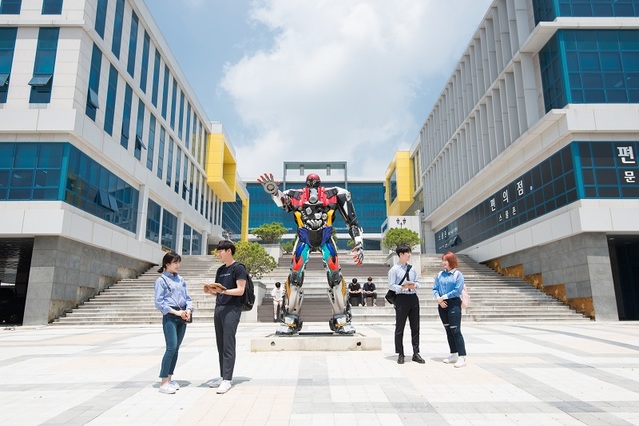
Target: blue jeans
[[174, 329], [451, 318]]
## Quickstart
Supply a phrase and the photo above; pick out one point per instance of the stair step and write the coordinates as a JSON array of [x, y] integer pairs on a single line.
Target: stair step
[[494, 297]]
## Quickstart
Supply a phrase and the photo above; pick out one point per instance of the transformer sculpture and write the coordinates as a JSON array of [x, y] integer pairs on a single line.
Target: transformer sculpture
[[314, 209]]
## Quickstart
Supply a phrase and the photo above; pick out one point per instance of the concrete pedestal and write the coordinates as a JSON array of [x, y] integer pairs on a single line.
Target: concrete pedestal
[[316, 341]]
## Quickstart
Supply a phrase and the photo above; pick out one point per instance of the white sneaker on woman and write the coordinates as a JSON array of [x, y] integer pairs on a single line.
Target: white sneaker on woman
[[167, 388], [224, 386], [451, 359], [461, 362], [175, 385]]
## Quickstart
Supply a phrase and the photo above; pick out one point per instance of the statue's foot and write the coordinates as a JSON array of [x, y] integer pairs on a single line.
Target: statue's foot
[[284, 330], [341, 324], [345, 329], [290, 325]]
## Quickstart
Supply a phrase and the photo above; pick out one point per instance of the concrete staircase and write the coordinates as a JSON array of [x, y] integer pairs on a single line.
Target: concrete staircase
[[493, 297], [130, 301]]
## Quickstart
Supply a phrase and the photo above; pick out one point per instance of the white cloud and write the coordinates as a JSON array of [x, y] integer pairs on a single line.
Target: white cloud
[[342, 77]]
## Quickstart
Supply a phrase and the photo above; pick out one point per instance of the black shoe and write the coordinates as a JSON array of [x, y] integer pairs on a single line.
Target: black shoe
[[418, 359], [400, 359]]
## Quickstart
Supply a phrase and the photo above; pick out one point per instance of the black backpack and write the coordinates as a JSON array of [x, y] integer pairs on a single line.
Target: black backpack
[[248, 298]]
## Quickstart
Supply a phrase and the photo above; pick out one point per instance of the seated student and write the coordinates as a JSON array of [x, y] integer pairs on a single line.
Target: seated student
[[369, 291], [355, 294]]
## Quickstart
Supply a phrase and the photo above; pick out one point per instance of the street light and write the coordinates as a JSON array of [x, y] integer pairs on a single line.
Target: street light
[[401, 222]]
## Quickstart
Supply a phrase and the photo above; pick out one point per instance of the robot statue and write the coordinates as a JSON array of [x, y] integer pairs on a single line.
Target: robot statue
[[314, 209]]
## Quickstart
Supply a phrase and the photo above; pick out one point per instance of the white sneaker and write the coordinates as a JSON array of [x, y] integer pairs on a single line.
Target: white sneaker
[[167, 388], [451, 359], [214, 383], [224, 386], [461, 362], [175, 385]]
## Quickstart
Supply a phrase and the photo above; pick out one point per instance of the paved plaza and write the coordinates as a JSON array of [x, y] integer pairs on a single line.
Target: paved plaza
[[518, 373]]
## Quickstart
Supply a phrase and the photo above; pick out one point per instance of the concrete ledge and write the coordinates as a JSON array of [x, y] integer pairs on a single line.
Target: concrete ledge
[[316, 341]]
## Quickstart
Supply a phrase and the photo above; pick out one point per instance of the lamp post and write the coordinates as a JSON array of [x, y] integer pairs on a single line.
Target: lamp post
[[401, 222]]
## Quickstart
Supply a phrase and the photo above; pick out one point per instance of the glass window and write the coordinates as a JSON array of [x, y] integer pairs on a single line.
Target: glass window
[[103, 194], [94, 83], [51, 7], [169, 163], [180, 123], [165, 91], [196, 243], [117, 27], [173, 103], [187, 136], [151, 143], [7, 48], [186, 240], [111, 96], [42, 80], [139, 132], [145, 61], [169, 230], [153, 216], [100, 17], [133, 44], [178, 165], [185, 175], [156, 79], [126, 117], [10, 7], [161, 153]]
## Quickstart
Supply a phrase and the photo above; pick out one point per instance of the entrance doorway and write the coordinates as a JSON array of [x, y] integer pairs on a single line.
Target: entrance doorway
[[15, 263], [624, 258]]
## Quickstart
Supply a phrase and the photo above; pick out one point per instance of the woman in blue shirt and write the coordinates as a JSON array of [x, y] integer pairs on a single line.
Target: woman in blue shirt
[[447, 290], [173, 300]]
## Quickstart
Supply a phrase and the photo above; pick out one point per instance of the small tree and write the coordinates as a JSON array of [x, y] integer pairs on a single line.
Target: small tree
[[287, 247], [257, 261], [270, 233], [398, 236]]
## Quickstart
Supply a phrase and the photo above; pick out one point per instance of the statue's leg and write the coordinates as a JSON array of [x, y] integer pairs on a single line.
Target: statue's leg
[[293, 293], [337, 291]]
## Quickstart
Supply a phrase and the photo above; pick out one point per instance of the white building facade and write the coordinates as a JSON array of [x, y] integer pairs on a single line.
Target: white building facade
[[103, 151], [529, 156]]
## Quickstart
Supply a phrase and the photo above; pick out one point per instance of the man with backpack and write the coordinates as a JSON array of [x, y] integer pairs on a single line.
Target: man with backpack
[[228, 309]]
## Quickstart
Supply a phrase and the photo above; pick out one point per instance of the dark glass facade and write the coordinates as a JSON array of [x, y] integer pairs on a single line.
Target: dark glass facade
[[582, 170], [590, 66], [59, 171], [548, 10]]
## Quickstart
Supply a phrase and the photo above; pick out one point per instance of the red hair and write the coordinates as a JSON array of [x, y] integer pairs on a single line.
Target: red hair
[[451, 258]]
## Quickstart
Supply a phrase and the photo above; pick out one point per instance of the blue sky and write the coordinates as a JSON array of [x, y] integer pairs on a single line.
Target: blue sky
[[328, 80]]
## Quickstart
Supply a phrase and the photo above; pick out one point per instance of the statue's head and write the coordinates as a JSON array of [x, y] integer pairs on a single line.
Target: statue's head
[[313, 180]]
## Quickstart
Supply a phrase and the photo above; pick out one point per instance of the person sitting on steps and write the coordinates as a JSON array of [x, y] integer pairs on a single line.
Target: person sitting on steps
[[370, 291]]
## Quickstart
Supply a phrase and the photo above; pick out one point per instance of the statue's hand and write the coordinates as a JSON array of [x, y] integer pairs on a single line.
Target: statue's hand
[[358, 254], [269, 184]]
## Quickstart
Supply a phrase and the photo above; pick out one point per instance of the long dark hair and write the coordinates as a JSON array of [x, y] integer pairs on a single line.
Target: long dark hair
[[169, 258]]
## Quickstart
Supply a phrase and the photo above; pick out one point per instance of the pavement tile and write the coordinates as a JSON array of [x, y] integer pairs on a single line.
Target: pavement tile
[[517, 373]]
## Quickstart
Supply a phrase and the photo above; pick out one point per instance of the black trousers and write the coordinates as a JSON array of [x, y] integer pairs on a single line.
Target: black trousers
[[226, 319], [406, 306]]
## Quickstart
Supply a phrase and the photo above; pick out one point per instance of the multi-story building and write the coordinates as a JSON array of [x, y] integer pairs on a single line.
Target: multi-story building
[[529, 155], [367, 195], [107, 158]]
